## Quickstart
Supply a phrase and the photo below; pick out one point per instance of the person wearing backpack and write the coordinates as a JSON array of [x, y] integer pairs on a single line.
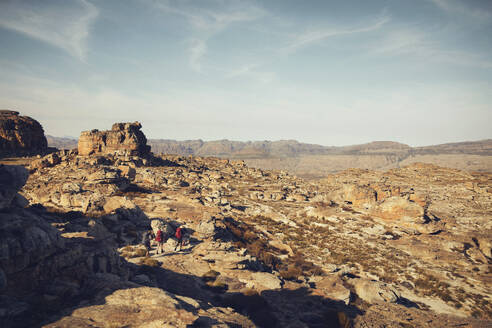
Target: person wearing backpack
[[179, 236], [159, 238], [147, 236]]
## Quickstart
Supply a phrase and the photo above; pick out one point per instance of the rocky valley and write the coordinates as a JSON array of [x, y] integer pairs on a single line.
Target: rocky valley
[[407, 246], [314, 161]]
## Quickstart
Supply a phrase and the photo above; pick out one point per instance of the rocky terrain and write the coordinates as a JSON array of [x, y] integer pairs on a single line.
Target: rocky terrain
[[20, 135], [315, 161], [409, 247]]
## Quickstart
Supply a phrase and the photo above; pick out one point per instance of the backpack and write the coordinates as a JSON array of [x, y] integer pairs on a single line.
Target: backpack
[[178, 233], [158, 237]]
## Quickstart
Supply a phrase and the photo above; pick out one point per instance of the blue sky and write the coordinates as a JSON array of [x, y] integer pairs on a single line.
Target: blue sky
[[324, 72]]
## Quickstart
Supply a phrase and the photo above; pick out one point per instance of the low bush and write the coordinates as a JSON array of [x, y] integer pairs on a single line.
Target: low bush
[[210, 275], [140, 252], [291, 273], [217, 286], [149, 262]]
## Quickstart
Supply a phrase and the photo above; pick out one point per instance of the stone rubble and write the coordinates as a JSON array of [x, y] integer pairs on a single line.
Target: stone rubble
[[264, 248]]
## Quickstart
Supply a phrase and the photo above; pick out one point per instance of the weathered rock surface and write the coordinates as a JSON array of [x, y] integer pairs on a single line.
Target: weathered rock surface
[[284, 251], [44, 260], [20, 135], [374, 291], [124, 138], [12, 179]]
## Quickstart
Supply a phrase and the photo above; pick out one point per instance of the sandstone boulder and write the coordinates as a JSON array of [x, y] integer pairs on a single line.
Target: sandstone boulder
[[165, 227], [485, 245], [374, 291], [124, 138], [20, 135], [72, 187], [122, 208], [267, 280], [397, 208], [12, 179], [135, 307], [358, 196], [332, 287], [207, 228], [46, 161]]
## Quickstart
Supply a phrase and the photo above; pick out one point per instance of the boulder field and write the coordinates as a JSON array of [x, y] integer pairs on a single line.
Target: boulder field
[[409, 247]]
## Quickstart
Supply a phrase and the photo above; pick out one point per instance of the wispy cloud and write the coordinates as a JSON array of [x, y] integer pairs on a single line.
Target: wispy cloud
[[295, 42], [420, 44], [207, 20], [252, 71], [314, 36], [460, 8], [65, 26], [198, 48]]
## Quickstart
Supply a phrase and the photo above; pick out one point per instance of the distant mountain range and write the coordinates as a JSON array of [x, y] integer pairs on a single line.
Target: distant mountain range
[[290, 148], [313, 161]]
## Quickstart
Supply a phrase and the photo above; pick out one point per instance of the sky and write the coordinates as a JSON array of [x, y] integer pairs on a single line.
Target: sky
[[324, 72]]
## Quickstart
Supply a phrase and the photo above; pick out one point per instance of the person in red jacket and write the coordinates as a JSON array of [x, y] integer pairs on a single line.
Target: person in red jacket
[[179, 236], [159, 238]]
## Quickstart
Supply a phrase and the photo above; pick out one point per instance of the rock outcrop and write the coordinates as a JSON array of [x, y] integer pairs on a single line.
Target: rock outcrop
[[123, 138], [20, 135]]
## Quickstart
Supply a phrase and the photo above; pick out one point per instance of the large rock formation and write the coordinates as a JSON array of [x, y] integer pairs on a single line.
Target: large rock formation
[[125, 138], [20, 135]]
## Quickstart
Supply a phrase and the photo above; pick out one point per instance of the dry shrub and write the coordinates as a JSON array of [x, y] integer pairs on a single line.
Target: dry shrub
[[251, 240], [292, 273], [250, 235], [257, 248], [149, 262], [210, 275], [249, 292], [140, 252], [217, 286]]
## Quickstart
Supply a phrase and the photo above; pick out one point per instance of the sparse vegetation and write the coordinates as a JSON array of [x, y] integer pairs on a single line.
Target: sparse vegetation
[[210, 275], [149, 262]]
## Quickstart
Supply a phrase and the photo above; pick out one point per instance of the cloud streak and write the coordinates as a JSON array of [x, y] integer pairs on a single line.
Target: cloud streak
[[66, 26], [312, 37], [206, 22], [456, 7], [417, 43]]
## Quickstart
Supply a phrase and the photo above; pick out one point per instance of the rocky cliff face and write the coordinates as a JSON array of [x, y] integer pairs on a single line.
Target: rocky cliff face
[[20, 135], [124, 138]]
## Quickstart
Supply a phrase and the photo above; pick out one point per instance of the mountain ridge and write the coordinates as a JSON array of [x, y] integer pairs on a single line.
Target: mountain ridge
[[288, 147], [313, 161]]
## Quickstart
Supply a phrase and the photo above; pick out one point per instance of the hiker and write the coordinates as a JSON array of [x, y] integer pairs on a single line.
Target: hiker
[[147, 236], [159, 238], [179, 236]]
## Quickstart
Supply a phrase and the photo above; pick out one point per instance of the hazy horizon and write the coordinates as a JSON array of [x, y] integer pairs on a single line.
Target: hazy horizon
[[325, 72], [265, 140]]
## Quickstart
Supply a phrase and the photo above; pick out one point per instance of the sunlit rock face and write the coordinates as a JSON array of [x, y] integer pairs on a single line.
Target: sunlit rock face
[[20, 135], [122, 138]]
